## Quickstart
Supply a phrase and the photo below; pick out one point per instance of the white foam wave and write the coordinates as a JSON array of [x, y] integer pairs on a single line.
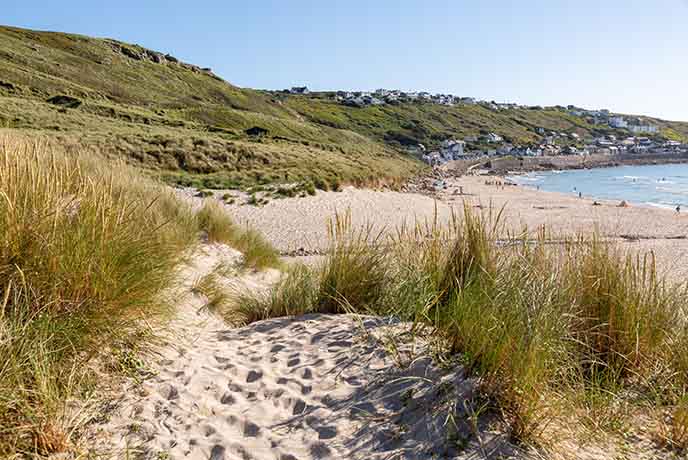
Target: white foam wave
[[660, 205]]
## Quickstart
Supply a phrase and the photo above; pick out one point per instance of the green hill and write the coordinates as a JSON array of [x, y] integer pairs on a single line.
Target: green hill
[[185, 123]]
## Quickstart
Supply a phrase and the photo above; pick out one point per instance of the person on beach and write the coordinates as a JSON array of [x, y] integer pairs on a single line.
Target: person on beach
[[678, 209], [580, 194]]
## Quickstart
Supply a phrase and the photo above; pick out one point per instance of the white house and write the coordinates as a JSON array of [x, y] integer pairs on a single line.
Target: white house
[[493, 137], [618, 122], [643, 129]]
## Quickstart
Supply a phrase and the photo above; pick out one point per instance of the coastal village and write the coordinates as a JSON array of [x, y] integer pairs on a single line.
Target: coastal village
[[631, 135]]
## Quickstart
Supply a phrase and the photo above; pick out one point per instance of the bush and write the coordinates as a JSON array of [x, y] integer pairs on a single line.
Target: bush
[[321, 184]]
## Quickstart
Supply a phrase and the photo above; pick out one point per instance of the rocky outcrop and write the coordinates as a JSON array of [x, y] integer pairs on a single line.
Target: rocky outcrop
[[138, 53]]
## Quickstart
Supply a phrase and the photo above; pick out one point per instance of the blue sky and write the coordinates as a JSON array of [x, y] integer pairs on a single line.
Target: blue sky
[[625, 55]]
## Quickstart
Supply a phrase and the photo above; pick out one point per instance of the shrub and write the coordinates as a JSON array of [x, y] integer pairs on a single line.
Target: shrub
[[321, 184]]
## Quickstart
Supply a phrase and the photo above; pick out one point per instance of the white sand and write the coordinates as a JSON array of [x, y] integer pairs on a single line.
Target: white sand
[[313, 387], [294, 223]]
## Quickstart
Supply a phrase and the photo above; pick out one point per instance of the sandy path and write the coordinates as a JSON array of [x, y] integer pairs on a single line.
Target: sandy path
[[312, 387]]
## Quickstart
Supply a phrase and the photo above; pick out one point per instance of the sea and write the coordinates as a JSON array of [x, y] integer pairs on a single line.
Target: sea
[[664, 186]]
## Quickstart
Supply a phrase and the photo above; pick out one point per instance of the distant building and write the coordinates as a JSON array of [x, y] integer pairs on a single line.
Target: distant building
[[299, 90], [493, 137], [452, 149], [618, 122], [649, 129]]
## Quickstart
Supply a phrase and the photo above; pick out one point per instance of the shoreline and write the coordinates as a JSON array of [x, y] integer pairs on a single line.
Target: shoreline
[[512, 178], [504, 165], [592, 198]]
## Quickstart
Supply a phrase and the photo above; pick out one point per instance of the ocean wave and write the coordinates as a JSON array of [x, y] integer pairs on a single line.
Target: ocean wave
[[673, 191], [636, 178], [660, 205]]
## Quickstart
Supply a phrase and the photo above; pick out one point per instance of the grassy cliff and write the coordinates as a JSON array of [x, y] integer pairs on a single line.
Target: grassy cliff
[[185, 123]]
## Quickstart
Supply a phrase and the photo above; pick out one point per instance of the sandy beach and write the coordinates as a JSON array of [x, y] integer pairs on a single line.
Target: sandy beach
[[294, 223]]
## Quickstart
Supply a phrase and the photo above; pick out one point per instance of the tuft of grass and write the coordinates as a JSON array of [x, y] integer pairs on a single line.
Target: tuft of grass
[[210, 286], [354, 273], [86, 251], [258, 252], [214, 220], [218, 226], [294, 294], [309, 188], [355, 270]]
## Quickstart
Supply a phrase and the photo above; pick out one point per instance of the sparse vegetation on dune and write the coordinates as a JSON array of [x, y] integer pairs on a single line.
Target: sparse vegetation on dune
[[555, 333], [87, 251], [218, 227]]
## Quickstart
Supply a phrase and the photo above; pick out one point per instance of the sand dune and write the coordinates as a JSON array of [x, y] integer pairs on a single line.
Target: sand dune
[[312, 387], [335, 387]]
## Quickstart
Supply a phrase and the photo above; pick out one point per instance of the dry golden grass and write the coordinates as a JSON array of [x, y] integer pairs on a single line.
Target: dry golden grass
[[87, 248], [554, 332]]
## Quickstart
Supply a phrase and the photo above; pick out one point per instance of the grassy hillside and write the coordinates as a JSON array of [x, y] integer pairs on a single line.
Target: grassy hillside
[[185, 123], [173, 117]]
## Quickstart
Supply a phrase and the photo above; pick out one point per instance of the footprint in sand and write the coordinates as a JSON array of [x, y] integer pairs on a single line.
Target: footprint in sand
[[251, 430], [227, 399], [253, 376], [217, 453]]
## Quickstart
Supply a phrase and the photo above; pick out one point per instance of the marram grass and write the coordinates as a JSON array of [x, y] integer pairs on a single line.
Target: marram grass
[[545, 327], [87, 251], [218, 227]]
